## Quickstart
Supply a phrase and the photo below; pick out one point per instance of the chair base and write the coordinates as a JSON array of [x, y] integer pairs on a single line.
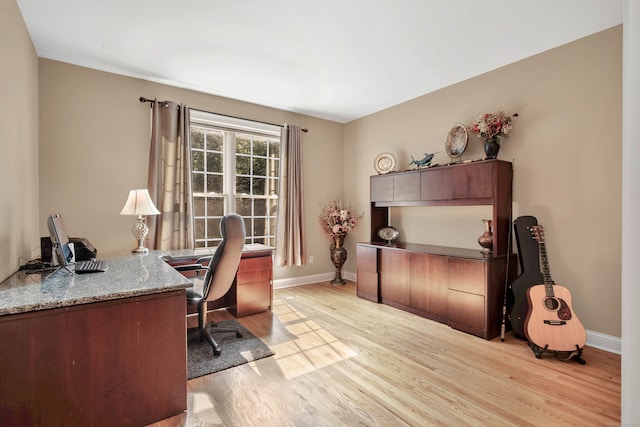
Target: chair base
[[206, 335]]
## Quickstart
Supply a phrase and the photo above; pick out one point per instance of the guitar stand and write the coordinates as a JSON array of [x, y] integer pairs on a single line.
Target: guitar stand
[[562, 355]]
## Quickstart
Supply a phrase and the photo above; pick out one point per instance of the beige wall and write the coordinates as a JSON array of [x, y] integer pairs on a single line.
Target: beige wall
[[19, 237], [94, 148], [566, 148], [93, 139]]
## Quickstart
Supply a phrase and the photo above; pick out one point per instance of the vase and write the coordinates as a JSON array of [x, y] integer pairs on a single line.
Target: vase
[[338, 257], [486, 239], [491, 148]]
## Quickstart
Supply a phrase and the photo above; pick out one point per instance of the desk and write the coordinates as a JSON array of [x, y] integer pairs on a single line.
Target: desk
[[95, 349], [252, 290]]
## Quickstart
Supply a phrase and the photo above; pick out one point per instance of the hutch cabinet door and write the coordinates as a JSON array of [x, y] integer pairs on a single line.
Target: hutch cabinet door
[[395, 282], [429, 285]]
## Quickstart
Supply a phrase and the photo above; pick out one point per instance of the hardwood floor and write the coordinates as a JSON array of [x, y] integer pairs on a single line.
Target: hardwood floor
[[342, 360]]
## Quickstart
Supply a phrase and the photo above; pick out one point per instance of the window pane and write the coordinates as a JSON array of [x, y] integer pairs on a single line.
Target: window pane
[[197, 137], [215, 206], [259, 185], [272, 187], [213, 228], [243, 165], [214, 162], [274, 149], [260, 147], [243, 206], [273, 207], [260, 207], [214, 183], [197, 161], [259, 166], [243, 145], [197, 182], [247, 224], [199, 226], [214, 140], [198, 206], [274, 168], [243, 185], [259, 227]]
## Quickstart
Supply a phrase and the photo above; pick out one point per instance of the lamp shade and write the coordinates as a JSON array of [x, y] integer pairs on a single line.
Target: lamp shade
[[139, 203]]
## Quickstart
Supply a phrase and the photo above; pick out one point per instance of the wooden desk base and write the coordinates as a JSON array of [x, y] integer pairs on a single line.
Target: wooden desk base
[[114, 363]]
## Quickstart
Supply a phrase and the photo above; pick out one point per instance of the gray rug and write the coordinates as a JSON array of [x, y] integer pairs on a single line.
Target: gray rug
[[235, 351]]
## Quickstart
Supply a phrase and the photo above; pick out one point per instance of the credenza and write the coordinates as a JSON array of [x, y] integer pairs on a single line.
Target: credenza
[[461, 287]]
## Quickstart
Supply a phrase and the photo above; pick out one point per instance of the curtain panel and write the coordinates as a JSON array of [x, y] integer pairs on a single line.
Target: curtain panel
[[169, 180], [290, 239]]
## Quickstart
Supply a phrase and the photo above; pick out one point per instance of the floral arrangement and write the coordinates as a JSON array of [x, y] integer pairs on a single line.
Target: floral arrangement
[[493, 126], [337, 218]]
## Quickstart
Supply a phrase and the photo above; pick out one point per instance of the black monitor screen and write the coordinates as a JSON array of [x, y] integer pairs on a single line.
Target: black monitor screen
[[59, 239]]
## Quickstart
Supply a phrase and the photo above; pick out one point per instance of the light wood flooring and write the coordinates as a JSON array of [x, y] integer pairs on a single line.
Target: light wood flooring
[[344, 361]]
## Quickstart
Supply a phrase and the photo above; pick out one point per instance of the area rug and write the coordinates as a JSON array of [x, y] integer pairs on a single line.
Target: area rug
[[235, 351]]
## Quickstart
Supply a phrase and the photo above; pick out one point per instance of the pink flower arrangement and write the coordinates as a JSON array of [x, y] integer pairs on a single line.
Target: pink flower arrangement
[[337, 218], [492, 126]]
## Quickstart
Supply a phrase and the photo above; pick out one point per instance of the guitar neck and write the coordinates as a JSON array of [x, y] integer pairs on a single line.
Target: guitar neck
[[544, 268]]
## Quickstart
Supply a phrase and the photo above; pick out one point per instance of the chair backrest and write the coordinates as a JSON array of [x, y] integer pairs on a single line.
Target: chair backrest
[[224, 263]]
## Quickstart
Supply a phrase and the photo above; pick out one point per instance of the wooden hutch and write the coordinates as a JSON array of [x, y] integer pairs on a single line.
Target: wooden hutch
[[460, 287]]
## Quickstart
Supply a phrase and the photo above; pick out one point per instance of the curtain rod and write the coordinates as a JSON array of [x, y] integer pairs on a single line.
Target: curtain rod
[[166, 104]]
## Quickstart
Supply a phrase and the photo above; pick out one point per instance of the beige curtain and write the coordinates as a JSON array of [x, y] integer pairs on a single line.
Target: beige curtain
[[290, 242], [170, 178]]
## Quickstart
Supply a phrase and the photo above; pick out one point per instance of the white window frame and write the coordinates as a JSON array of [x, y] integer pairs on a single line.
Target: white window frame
[[230, 126]]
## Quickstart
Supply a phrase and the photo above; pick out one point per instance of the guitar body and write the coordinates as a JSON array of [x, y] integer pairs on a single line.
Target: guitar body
[[551, 323], [531, 275]]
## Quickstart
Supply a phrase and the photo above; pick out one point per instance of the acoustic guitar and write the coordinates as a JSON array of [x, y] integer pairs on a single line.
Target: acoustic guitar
[[551, 323]]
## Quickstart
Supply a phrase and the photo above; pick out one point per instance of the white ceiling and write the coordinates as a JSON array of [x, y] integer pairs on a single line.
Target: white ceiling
[[333, 59]]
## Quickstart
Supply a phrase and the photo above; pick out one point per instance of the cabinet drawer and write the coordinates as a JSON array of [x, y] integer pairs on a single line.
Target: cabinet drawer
[[467, 275], [253, 276], [255, 263], [253, 298]]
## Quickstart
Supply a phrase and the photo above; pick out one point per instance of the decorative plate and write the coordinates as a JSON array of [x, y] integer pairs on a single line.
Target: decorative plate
[[456, 141], [388, 233], [384, 163]]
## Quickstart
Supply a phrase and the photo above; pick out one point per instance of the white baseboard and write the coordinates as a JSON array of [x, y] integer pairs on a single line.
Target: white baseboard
[[308, 280], [594, 339], [604, 342]]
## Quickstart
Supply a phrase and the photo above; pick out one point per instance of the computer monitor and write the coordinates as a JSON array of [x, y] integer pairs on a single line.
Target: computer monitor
[[60, 240]]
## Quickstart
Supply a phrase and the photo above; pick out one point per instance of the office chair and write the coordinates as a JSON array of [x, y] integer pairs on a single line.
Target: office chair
[[218, 276]]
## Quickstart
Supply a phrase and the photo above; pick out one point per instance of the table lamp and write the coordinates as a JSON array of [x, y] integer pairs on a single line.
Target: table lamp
[[139, 203]]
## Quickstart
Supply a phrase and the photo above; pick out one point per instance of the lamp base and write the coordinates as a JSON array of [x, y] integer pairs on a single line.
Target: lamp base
[[140, 251], [140, 231]]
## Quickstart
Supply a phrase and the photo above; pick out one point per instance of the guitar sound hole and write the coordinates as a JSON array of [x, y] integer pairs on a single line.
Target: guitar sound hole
[[551, 304]]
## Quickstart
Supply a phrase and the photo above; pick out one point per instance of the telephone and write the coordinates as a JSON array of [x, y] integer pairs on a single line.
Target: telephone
[[83, 249]]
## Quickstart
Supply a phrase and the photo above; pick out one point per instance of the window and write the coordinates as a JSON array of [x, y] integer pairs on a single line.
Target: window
[[235, 168]]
